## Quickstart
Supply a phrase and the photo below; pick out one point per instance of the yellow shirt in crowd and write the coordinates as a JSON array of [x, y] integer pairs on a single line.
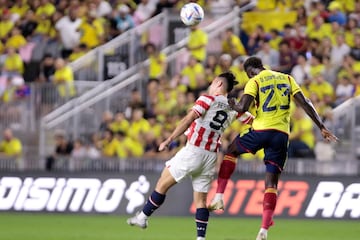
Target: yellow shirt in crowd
[[12, 147], [64, 78], [198, 38]]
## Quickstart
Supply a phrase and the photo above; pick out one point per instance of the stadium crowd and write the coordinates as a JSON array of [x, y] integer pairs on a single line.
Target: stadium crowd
[[320, 47]]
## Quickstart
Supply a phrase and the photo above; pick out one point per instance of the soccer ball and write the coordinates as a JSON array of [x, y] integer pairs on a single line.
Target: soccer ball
[[191, 14]]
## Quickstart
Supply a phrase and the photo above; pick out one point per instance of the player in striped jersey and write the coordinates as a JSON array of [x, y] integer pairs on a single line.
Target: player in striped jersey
[[272, 92], [203, 126]]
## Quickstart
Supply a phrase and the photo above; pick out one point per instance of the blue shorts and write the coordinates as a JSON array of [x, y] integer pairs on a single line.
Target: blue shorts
[[275, 144]]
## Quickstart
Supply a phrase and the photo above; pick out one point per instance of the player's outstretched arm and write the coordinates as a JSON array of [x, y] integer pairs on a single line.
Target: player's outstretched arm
[[310, 110], [180, 129]]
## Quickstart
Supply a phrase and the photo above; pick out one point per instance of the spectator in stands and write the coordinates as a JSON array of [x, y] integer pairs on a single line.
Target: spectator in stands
[[145, 9], [103, 8], [158, 63], [135, 102], [92, 30], [268, 55], [287, 58], [339, 51], [355, 50], [344, 90], [301, 70], [197, 42], [232, 45], [138, 125], [67, 26], [10, 146], [225, 63], [120, 123], [357, 84], [45, 7], [63, 149], [16, 39], [316, 65], [64, 79], [275, 39], [6, 24], [301, 138], [128, 147], [210, 66], [121, 20], [107, 119], [192, 74], [109, 144], [238, 70], [19, 8], [336, 13], [323, 89], [13, 64]]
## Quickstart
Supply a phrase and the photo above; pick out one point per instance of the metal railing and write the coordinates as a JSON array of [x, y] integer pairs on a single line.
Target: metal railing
[[125, 47]]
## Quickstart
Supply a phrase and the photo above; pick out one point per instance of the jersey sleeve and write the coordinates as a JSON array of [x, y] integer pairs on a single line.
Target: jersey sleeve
[[202, 104], [294, 86], [252, 88]]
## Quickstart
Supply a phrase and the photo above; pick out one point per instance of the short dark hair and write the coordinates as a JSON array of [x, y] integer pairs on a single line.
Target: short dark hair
[[253, 62], [230, 80]]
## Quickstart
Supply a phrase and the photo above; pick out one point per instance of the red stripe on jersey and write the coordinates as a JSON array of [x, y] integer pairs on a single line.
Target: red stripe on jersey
[[209, 141], [217, 144], [210, 97], [191, 130], [200, 136], [202, 104]]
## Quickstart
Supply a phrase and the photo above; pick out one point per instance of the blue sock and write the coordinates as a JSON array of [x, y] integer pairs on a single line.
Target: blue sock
[[201, 218], [153, 203]]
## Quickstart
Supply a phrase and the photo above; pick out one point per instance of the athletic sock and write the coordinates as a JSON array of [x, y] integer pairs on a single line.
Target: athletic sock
[[269, 205], [226, 170], [201, 219], [154, 202]]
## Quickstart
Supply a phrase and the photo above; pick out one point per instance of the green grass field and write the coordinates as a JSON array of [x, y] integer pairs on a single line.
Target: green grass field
[[102, 227]]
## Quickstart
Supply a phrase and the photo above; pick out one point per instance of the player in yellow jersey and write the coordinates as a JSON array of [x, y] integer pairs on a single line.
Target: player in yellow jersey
[[272, 93]]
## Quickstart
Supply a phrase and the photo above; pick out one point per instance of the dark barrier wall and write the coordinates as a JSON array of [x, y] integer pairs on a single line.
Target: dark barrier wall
[[125, 193]]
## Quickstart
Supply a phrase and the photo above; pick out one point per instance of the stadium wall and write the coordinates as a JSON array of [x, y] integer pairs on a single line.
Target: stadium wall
[[125, 193]]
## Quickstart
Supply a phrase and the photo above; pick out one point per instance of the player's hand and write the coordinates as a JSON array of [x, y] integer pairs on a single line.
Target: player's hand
[[328, 136], [164, 145]]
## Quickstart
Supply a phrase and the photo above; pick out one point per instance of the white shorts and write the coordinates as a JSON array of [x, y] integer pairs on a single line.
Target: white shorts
[[196, 163]]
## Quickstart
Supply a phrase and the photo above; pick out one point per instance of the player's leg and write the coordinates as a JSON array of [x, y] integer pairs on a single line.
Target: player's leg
[[244, 144], [157, 197], [201, 215], [275, 158]]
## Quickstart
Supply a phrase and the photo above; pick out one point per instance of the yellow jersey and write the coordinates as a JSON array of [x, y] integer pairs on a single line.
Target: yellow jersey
[[156, 66], [198, 38], [11, 148], [272, 92], [64, 78]]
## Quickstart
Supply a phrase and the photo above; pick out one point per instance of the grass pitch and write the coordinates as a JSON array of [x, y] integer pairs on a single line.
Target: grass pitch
[[16, 226]]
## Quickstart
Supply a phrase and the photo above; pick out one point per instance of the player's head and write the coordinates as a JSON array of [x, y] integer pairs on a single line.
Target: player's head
[[223, 82], [252, 66]]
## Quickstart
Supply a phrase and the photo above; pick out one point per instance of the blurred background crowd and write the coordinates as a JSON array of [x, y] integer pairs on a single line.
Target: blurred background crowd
[[320, 49]]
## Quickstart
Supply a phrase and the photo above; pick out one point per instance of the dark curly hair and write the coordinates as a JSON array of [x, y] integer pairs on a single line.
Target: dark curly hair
[[230, 80]]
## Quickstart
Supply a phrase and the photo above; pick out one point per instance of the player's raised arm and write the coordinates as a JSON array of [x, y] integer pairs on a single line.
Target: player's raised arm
[[180, 129], [309, 108]]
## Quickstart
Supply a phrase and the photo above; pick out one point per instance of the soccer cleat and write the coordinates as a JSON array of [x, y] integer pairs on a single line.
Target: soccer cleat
[[135, 221], [216, 205], [262, 235]]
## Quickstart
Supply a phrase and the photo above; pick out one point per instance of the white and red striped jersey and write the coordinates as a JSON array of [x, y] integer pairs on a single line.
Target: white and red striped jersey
[[215, 115]]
